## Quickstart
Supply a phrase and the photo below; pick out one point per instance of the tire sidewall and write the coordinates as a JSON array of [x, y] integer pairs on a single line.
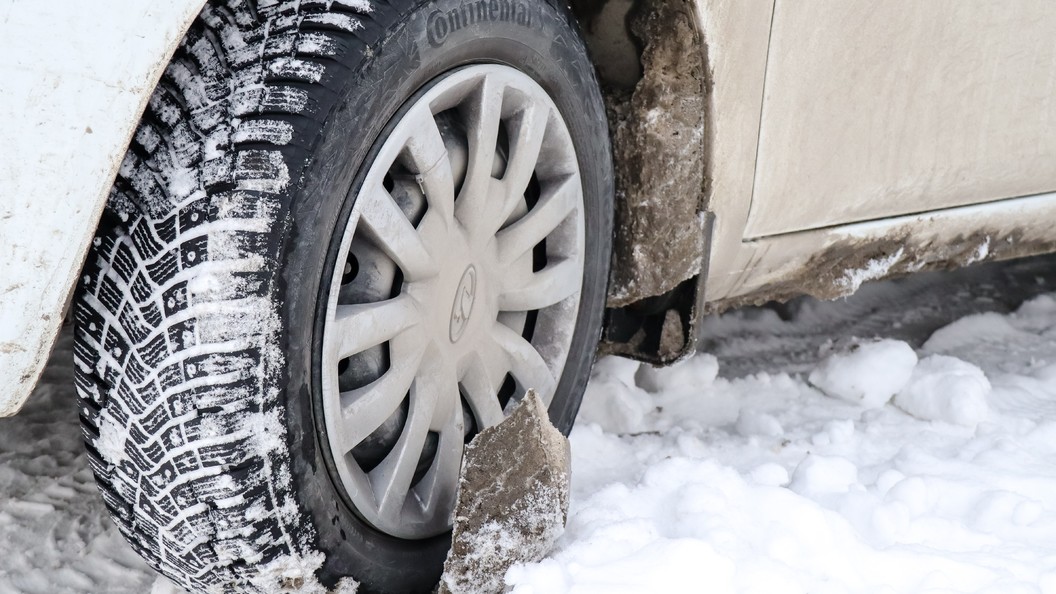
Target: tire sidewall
[[533, 37]]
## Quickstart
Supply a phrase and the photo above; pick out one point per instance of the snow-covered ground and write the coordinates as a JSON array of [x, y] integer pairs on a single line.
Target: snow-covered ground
[[55, 534], [903, 440]]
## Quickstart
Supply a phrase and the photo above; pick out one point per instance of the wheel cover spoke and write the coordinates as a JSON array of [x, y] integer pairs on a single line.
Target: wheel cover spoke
[[395, 235], [525, 363], [431, 162], [439, 486], [467, 266], [392, 478], [365, 409], [481, 389], [362, 326], [553, 209], [542, 289], [528, 132], [482, 122]]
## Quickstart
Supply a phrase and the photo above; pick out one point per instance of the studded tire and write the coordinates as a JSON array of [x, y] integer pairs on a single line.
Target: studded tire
[[198, 313]]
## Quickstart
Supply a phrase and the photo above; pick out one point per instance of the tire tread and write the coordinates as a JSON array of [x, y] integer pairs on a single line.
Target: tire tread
[[200, 194]]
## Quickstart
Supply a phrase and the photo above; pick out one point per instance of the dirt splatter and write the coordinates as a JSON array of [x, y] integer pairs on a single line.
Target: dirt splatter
[[826, 274]]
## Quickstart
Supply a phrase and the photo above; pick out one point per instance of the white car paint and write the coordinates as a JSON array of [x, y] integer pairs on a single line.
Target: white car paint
[[876, 110], [76, 77]]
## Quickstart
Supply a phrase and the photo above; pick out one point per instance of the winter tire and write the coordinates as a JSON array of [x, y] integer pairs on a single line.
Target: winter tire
[[347, 236]]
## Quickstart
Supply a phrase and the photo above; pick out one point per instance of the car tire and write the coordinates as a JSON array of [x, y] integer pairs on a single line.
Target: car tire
[[213, 354]]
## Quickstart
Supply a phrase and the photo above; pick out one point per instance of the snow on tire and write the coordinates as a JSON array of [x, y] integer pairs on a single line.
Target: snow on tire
[[176, 343], [198, 318]]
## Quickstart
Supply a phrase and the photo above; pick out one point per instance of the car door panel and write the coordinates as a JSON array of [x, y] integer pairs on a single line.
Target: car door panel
[[881, 109]]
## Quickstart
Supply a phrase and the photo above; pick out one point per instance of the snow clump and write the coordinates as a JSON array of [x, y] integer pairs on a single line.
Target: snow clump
[[818, 475], [946, 389], [613, 400], [866, 373], [699, 371], [754, 423]]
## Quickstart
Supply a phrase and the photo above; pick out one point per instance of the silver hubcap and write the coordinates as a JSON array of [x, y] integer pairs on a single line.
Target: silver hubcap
[[457, 289]]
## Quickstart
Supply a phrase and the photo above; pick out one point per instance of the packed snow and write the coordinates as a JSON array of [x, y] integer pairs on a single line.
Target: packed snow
[[902, 440]]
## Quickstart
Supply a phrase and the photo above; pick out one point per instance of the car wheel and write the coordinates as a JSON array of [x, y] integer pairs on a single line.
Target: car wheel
[[345, 239]]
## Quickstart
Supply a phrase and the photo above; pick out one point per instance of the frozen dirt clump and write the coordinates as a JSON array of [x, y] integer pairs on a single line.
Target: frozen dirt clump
[[946, 389], [866, 373], [658, 133], [512, 502]]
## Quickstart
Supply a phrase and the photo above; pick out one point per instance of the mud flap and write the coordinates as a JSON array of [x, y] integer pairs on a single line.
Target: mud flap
[[664, 329]]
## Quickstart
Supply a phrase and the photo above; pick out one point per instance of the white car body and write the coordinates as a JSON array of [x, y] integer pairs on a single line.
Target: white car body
[[943, 114], [76, 78]]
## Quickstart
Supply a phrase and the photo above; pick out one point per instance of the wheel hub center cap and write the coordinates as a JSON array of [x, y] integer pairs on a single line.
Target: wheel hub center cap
[[465, 296]]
